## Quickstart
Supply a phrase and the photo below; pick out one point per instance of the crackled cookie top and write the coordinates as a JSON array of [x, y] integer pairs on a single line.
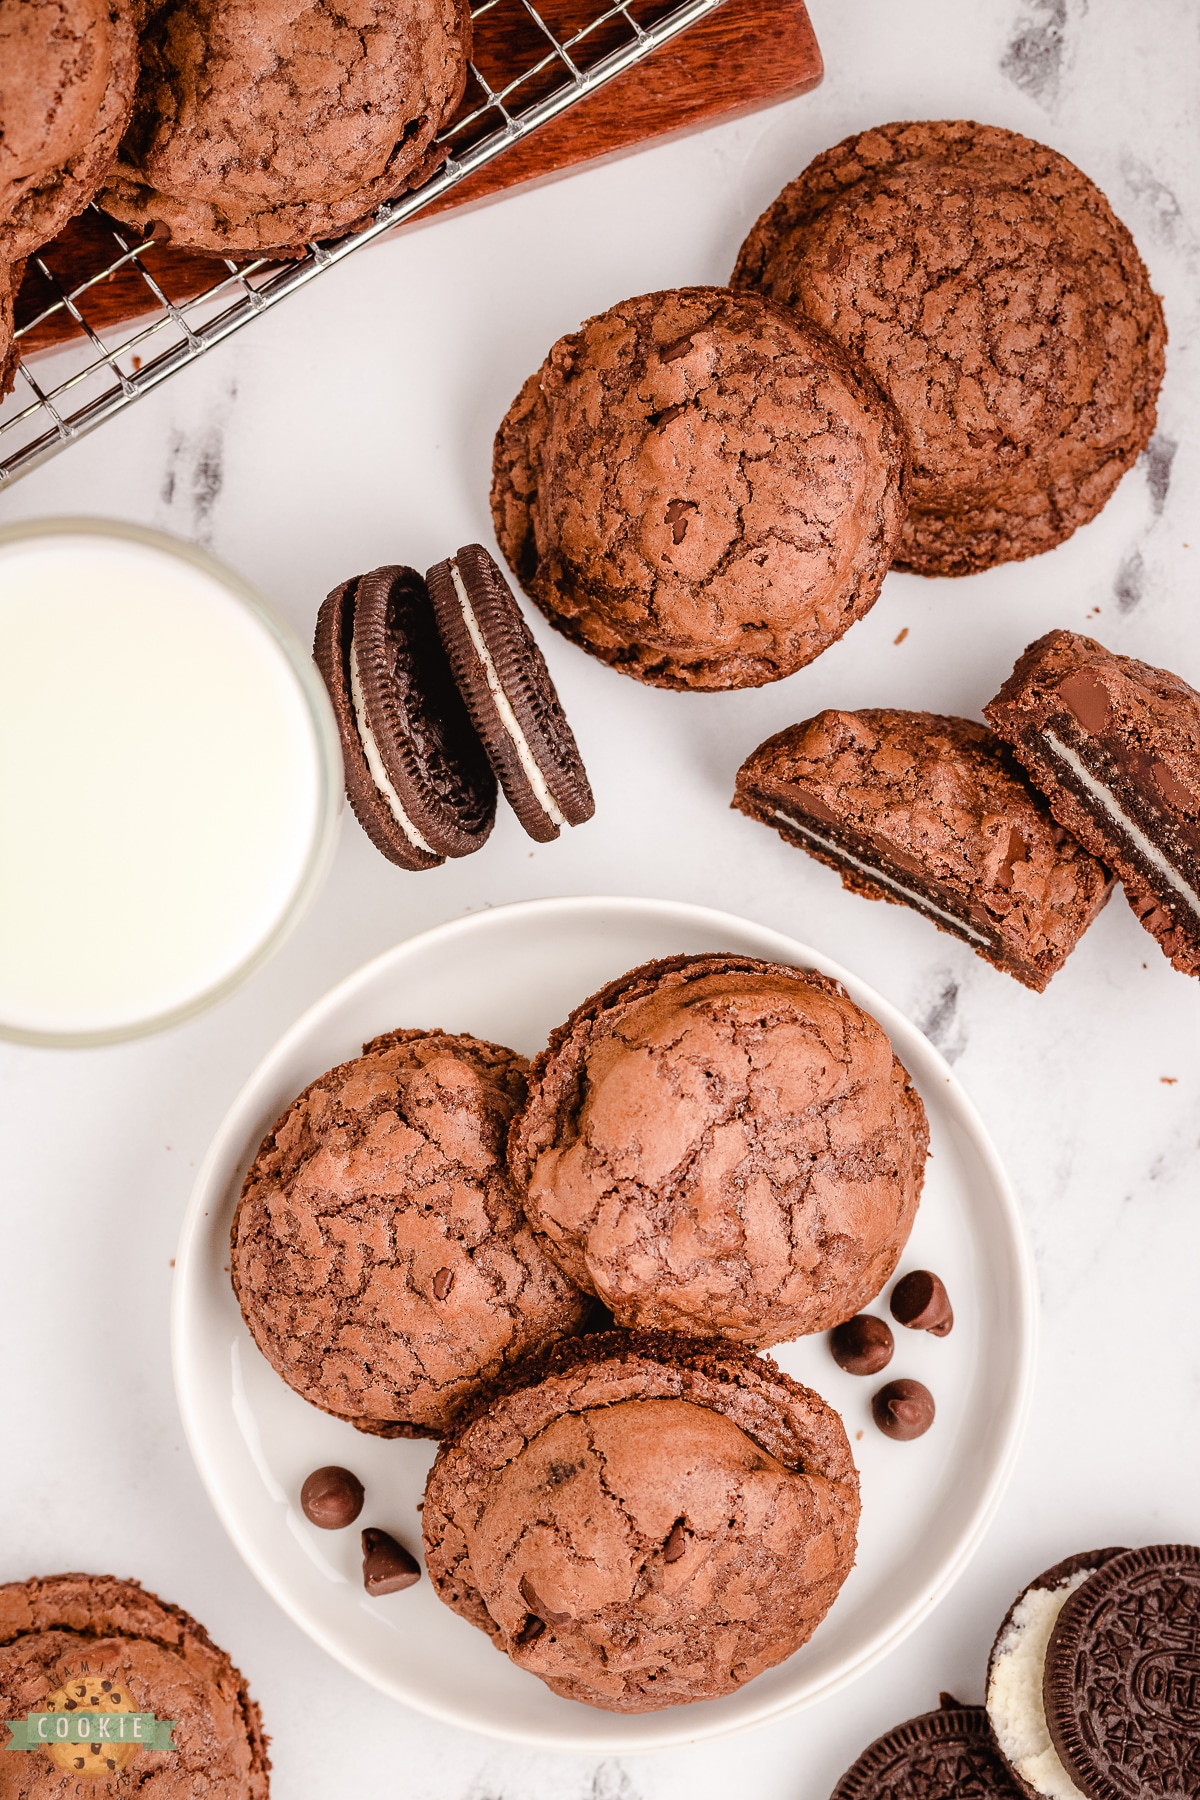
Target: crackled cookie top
[[68, 69], [93, 1643], [993, 294], [932, 812], [719, 1144], [379, 1257], [699, 489], [261, 124], [649, 1521]]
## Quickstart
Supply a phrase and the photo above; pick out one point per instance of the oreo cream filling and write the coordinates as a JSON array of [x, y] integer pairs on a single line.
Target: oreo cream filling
[[379, 774], [1014, 1696], [888, 881], [507, 716], [1120, 818]]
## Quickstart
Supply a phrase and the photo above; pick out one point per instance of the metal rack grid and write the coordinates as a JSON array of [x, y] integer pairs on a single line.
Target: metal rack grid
[[98, 372]]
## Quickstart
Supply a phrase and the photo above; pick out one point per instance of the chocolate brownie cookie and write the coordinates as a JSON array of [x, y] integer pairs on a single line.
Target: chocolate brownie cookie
[[10, 282], [993, 294], [379, 1258], [91, 1644], [416, 773], [644, 1520], [68, 71], [700, 490], [722, 1145], [932, 813], [510, 694], [1122, 1679], [1114, 745], [1016, 1710], [943, 1755], [262, 124]]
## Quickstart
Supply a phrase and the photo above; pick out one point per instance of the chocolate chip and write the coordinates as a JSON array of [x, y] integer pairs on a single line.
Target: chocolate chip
[[668, 413], [1086, 699], [676, 1544], [903, 1410], [443, 1281], [921, 1302], [862, 1345], [107, 1686], [538, 1606], [387, 1565], [531, 1630], [949, 1703], [674, 351], [331, 1498], [677, 518]]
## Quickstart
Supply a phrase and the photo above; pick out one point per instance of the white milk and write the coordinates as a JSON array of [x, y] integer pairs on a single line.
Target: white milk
[[162, 796]]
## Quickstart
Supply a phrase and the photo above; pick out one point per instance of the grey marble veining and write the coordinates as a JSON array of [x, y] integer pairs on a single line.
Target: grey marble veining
[[353, 427]]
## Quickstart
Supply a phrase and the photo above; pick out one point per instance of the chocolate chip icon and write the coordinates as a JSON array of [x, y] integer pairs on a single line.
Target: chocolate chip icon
[[387, 1565], [903, 1409], [331, 1497], [921, 1303], [862, 1345]]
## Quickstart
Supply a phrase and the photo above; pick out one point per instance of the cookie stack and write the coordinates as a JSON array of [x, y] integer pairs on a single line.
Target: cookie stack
[[713, 1154], [439, 688], [941, 352], [1008, 838], [1091, 1691]]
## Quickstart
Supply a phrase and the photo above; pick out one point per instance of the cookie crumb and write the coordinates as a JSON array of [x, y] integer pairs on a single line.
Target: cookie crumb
[[900, 636]]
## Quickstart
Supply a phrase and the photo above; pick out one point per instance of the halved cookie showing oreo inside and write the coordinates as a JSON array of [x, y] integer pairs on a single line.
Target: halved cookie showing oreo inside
[[509, 694], [931, 812], [1016, 1667], [943, 1755], [416, 773], [1122, 1679]]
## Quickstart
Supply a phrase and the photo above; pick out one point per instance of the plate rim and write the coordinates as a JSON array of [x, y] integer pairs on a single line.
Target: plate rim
[[680, 1725]]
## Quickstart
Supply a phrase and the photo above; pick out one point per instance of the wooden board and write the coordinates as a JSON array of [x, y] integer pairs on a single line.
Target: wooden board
[[748, 54]]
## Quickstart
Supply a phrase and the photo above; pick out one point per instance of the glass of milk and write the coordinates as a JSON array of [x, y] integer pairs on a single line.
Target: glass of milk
[[170, 781]]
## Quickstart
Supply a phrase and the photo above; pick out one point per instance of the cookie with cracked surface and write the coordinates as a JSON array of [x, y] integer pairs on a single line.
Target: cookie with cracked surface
[[92, 1643], [416, 773], [510, 694], [10, 282], [1122, 1678], [700, 490], [933, 813], [644, 1520], [68, 72], [260, 125], [379, 1257], [943, 1755], [1114, 744], [994, 295], [1016, 1671], [721, 1145]]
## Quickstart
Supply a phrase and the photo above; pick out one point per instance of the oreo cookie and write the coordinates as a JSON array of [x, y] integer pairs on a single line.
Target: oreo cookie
[[1122, 1678], [1016, 1668], [509, 694], [416, 773], [943, 1755]]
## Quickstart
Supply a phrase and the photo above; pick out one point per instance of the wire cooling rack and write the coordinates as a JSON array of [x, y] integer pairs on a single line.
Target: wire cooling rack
[[547, 65]]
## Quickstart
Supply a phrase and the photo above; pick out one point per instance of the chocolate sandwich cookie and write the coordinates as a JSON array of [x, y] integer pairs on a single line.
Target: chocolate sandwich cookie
[[379, 1256], [643, 1520], [260, 125], [68, 71], [699, 489], [1015, 1707], [943, 1755], [509, 694], [932, 813], [416, 774], [108, 1649], [724, 1146], [1114, 745], [995, 297], [1122, 1678]]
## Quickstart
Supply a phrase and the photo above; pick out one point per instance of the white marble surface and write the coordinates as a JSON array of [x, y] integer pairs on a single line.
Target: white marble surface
[[353, 427]]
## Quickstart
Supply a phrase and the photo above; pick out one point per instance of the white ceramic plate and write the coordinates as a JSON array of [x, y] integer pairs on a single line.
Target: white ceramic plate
[[511, 975]]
